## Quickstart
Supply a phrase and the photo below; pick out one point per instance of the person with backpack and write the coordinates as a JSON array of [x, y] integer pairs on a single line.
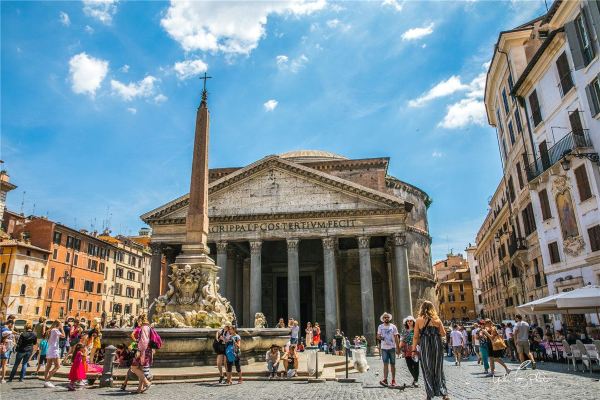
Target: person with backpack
[[219, 346], [143, 357], [232, 352]]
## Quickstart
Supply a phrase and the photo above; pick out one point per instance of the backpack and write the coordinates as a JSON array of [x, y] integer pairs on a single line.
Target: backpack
[[155, 340], [230, 352]]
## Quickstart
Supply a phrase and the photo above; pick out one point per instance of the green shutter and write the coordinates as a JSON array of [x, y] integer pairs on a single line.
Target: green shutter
[[576, 54], [593, 9], [590, 98]]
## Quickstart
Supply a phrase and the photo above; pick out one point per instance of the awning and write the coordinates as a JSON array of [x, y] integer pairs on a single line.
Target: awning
[[584, 300]]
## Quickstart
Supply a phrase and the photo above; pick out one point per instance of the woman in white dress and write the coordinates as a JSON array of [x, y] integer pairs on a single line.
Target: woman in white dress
[[53, 352]]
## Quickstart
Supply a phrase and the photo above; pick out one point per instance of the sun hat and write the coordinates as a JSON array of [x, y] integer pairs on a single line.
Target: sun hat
[[385, 314], [409, 318]]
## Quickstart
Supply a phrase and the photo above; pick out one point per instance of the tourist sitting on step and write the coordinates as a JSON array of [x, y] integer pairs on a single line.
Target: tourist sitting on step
[[290, 362], [273, 358]]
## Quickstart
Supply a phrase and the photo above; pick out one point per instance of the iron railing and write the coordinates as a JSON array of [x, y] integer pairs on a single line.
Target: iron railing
[[573, 140], [516, 245]]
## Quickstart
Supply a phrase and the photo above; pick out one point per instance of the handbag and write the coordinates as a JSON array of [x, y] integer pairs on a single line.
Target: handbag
[[498, 343]]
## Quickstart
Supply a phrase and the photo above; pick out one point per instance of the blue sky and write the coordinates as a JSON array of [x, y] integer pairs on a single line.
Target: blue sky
[[99, 98]]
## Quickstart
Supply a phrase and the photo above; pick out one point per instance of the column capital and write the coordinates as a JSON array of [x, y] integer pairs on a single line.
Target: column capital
[[255, 246], [156, 248], [329, 243], [292, 243], [399, 239], [364, 242], [221, 246]]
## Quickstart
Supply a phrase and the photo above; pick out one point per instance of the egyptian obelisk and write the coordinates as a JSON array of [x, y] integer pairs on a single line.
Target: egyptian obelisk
[[193, 299]]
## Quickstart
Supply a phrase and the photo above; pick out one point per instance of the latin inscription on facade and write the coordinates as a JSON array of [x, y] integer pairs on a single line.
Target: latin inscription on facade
[[285, 226]]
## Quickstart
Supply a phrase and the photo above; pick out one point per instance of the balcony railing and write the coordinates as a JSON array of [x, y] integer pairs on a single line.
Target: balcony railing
[[573, 140], [516, 245]]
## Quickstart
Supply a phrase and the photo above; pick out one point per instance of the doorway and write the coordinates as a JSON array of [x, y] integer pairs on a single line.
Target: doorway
[[281, 301], [306, 299]]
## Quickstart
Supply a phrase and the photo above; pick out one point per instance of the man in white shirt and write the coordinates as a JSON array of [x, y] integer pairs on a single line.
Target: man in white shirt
[[387, 334], [510, 343], [475, 339], [521, 338], [458, 342], [295, 332]]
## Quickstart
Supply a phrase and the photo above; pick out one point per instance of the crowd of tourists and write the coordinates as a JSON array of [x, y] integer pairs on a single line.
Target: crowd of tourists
[[72, 344]]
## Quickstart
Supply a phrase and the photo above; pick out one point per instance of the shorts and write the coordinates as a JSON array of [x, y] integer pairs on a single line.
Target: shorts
[[388, 356], [294, 340], [6, 356], [457, 349], [522, 347], [42, 359], [231, 364]]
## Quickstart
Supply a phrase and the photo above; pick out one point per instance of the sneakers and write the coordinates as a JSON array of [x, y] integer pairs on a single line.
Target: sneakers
[[49, 384], [533, 366], [221, 379], [383, 382]]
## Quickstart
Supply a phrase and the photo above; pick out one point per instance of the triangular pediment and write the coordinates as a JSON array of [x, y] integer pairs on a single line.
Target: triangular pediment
[[277, 186]]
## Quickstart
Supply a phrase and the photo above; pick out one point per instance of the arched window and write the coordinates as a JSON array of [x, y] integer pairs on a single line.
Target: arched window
[[23, 289], [26, 270], [43, 271], [3, 269], [39, 292]]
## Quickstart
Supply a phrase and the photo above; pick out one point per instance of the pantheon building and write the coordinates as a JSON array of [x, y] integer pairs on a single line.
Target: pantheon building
[[311, 235]]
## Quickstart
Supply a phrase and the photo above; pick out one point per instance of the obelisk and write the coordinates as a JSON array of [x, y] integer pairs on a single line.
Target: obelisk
[[193, 299]]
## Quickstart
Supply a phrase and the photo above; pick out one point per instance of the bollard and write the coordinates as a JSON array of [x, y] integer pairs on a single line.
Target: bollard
[[346, 379], [106, 380]]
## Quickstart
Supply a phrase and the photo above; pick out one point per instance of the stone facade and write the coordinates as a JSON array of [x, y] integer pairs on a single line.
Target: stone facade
[[301, 234]]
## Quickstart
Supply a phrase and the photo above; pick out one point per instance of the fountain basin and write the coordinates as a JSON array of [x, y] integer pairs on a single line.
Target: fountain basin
[[187, 347]]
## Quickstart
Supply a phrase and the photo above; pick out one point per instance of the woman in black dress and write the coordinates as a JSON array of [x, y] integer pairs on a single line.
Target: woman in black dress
[[429, 331]]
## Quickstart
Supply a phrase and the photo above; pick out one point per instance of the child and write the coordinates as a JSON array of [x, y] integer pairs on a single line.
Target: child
[[43, 347], [77, 375]]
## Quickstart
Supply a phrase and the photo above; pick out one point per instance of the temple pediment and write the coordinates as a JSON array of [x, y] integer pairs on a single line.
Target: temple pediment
[[274, 185]]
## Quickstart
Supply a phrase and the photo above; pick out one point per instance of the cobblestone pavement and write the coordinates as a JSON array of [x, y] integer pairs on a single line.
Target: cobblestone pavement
[[549, 381]]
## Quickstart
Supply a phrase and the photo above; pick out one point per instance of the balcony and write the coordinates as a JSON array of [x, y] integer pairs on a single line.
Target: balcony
[[515, 245], [574, 140]]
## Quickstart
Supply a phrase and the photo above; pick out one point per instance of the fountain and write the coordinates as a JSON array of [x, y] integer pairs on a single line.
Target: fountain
[[189, 314]]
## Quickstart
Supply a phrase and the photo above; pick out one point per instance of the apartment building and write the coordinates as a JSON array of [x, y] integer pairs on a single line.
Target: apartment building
[[454, 289]]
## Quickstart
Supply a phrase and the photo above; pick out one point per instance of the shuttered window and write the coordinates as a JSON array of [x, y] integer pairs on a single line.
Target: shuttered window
[[564, 74], [594, 235], [545, 205], [520, 175], [505, 101], [536, 113], [511, 132], [528, 220], [583, 184], [593, 95], [511, 189], [554, 254], [518, 121]]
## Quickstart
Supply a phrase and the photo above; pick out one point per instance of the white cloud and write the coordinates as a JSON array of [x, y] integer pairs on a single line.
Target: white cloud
[[337, 24], [444, 88], [469, 110], [189, 68], [463, 113], [132, 110], [64, 18], [270, 105], [102, 10], [128, 92], [418, 33], [228, 27], [161, 98], [87, 73], [295, 65], [393, 3], [89, 29], [124, 68], [333, 23], [437, 154]]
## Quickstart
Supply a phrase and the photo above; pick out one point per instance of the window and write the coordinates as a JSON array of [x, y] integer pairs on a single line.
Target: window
[[510, 82], [518, 121], [48, 312], [68, 257], [89, 307], [79, 304], [119, 272], [57, 237], [505, 101], [75, 259], [564, 74], [462, 287], [20, 310], [97, 307], [536, 113], [71, 283], [50, 292], [594, 235], [55, 254], [61, 312], [520, 176], [70, 242], [39, 293], [70, 304], [101, 269], [88, 286], [583, 185], [450, 289], [511, 133], [3, 268], [77, 244], [554, 254], [545, 205], [63, 294], [462, 297], [528, 220], [139, 293], [511, 189], [99, 288], [593, 95], [129, 291], [536, 269], [43, 272], [583, 36], [23, 290], [131, 275]]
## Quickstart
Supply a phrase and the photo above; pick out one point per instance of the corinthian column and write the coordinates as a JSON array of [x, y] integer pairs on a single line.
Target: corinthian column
[[366, 289], [293, 279], [331, 290], [222, 263], [155, 272], [255, 280], [402, 295]]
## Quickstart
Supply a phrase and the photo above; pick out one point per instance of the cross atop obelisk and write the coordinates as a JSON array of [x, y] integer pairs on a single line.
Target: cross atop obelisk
[[196, 237]]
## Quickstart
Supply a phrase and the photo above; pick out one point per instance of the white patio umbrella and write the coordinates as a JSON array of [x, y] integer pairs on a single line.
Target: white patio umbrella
[[584, 300]]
